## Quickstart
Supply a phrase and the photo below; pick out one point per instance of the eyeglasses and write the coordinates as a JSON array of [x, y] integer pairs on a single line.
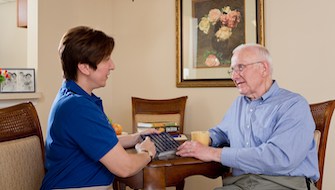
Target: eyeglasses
[[240, 68]]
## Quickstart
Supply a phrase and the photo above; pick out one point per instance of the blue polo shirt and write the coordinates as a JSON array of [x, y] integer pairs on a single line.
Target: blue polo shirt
[[78, 136]]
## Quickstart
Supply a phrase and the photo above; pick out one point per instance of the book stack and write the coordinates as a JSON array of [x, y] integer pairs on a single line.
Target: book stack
[[163, 126]]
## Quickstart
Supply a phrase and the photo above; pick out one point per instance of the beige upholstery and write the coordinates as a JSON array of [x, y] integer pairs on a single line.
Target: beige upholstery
[[21, 164], [21, 148], [317, 136]]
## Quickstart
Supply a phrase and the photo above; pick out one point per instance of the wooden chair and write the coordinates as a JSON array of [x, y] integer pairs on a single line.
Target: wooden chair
[[322, 114], [150, 110], [21, 148], [154, 110]]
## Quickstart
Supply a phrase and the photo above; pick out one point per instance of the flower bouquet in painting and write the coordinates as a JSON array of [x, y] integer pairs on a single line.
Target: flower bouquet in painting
[[220, 29], [227, 20]]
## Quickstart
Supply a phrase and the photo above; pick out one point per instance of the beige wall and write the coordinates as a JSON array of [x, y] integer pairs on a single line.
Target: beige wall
[[13, 40], [298, 33]]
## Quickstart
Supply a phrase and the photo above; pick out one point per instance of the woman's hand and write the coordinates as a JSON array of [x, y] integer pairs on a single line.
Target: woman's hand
[[131, 140], [148, 146], [137, 136], [149, 131]]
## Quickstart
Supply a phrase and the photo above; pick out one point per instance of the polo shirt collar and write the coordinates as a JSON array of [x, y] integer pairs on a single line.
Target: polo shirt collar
[[75, 88]]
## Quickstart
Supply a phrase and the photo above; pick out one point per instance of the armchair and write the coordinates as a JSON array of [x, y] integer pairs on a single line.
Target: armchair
[[21, 148]]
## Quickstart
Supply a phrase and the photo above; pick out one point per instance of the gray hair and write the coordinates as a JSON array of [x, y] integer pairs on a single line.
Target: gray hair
[[259, 50]]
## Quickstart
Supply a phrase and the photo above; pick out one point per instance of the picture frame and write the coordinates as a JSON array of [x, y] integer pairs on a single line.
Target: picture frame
[[207, 31], [20, 80]]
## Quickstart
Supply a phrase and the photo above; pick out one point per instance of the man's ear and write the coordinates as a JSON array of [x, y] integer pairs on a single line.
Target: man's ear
[[84, 68], [266, 69]]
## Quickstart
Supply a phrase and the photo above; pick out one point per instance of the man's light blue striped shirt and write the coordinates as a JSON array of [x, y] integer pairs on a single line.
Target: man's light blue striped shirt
[[272, 135]]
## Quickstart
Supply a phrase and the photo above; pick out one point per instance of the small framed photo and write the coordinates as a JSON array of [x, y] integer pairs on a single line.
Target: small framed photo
[[20, 80]]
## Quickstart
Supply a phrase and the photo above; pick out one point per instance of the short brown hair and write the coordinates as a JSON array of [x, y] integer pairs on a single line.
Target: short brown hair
[[83, 45]]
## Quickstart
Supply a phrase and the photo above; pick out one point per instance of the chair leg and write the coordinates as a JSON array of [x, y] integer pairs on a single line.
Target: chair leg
[[119, 186], [181, 185]]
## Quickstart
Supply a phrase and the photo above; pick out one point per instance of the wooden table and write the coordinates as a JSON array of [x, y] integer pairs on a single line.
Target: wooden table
[[160, 174]]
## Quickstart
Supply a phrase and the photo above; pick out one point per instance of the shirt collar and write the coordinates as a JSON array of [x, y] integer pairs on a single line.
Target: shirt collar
[[75, 88], [273, 89]]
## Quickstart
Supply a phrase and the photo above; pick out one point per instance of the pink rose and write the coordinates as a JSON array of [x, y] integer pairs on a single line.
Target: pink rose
[[212, 61], [214, 15], [224, 19], [234, 17]]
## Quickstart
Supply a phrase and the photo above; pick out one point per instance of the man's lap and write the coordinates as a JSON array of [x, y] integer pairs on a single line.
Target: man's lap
[[264, 182]]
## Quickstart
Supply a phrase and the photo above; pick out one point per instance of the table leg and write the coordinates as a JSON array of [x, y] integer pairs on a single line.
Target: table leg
[[155, 178]]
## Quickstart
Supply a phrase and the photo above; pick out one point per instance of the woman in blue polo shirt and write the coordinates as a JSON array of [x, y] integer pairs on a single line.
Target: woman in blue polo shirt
[[82, 149]]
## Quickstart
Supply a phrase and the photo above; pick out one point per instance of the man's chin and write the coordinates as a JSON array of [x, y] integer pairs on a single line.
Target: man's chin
[[241, 91]]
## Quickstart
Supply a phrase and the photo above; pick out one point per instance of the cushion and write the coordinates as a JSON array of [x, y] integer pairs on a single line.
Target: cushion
[[317, 136], [21, 164]]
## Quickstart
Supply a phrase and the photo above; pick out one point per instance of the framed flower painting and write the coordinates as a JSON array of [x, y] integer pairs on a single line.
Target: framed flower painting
[[207, 33]]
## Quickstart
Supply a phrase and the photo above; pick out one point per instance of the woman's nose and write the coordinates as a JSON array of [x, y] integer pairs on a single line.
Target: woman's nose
[[112, 65]]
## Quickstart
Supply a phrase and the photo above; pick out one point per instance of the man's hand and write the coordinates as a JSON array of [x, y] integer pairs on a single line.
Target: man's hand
[[199, 151]]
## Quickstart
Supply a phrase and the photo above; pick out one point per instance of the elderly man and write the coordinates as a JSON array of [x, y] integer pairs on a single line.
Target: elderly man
[[267, 133]]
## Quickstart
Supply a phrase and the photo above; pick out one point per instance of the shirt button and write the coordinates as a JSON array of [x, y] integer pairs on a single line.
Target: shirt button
[[247, 143], [251, 110], [248, 126]]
